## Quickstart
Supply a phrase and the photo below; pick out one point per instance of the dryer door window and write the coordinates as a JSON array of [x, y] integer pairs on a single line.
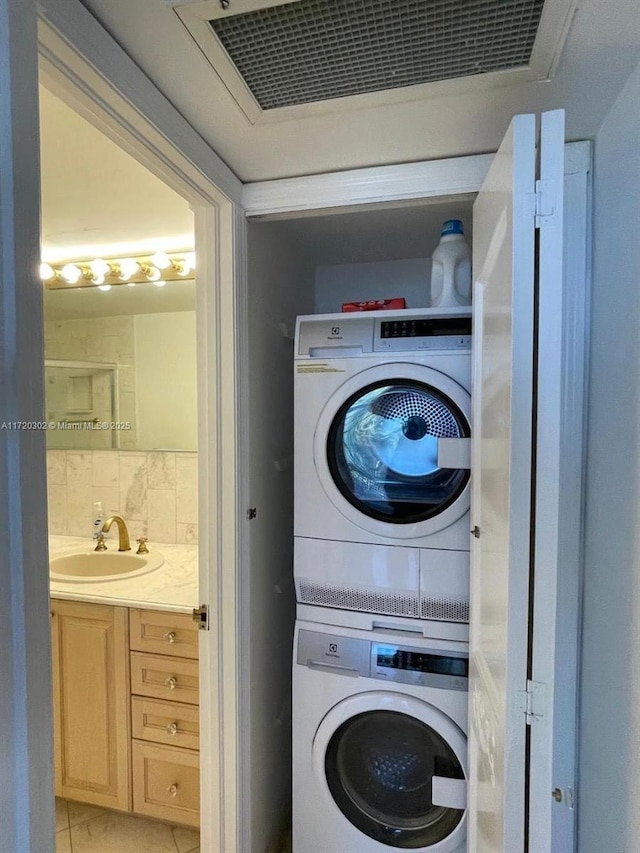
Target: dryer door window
[[379, 767], [382, 451]]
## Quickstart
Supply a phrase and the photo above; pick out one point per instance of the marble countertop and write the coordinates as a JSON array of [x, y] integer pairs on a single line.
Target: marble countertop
[[174, 586]]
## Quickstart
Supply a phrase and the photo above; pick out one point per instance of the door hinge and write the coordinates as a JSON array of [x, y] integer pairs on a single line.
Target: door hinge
[[201, 616], [532, 702], [545, 202], [565, 796], [251, 513]]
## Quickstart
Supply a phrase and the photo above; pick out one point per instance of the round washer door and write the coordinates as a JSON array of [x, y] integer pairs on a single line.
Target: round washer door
[[376, 450], [376, 755]]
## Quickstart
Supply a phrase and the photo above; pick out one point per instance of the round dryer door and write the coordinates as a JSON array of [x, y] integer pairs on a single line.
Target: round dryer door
[[397, 775], [382, 450]]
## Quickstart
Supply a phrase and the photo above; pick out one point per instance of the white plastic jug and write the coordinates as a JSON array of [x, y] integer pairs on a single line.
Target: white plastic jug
[[451, 268]]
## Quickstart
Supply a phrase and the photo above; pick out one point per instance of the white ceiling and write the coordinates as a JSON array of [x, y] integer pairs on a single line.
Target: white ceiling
[[602, 48], [97, 201]]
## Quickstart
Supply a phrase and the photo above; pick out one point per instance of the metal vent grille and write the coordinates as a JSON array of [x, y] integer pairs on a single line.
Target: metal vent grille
[[358, 598], [314, 50], [444, 609]]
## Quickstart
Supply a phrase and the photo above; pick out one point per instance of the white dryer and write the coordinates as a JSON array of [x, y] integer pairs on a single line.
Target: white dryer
[[379, 742], [382, 435]]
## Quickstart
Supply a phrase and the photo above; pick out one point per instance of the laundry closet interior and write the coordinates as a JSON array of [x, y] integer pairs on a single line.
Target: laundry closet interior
[[312, 245], [305, 264]]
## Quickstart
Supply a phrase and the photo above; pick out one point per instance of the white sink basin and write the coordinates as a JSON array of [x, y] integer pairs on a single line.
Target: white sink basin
[[98, 566]]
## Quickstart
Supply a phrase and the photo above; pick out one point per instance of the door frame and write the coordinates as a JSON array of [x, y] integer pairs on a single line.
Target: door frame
[[563, 346], [26, 768], [86, 68]]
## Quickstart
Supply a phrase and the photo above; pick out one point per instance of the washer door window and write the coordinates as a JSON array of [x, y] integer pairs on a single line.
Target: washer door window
[[382, 451], [379, 767]]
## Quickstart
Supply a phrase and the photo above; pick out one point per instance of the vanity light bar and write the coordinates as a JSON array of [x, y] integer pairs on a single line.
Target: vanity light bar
[[114, 271]]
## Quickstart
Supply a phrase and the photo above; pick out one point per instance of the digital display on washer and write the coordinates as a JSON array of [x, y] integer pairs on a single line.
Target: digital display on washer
[[421, 328], [393, 657]]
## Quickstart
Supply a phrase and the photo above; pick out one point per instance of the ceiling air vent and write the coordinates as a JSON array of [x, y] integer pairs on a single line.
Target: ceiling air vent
[[302, 52]]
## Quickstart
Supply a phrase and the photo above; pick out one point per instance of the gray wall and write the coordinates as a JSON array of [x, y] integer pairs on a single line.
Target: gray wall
[[609, 790], [338, 283], [280, 287]]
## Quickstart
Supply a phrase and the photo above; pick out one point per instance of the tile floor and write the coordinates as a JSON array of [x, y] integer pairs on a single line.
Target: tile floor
[[87, 829]]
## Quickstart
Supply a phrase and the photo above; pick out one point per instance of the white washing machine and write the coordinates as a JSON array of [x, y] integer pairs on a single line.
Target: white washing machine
[[379, 742], [382, 443]]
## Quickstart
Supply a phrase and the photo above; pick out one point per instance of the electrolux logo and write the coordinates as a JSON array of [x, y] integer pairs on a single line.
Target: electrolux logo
[[335, 334], [333, 651]]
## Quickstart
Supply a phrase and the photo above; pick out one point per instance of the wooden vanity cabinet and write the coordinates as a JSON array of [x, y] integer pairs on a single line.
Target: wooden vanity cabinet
[[91, 703], [126, 716]]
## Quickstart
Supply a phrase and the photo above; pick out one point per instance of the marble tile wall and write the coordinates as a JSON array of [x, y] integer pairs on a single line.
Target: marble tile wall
[[155, 492], [102, 339]]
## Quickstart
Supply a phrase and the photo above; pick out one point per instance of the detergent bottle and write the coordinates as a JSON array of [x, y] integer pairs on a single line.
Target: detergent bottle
[[451, 268]]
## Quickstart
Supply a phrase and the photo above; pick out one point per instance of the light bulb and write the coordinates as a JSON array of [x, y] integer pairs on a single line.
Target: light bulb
[[161, 260], [71, 273], [100, 268], [98, 278], [47, 272], [160, 283], [183, 268], [151, 273], [128, 267], [104, 286], [190, 258]]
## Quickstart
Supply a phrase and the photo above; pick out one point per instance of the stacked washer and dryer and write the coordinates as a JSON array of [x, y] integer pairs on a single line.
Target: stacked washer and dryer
[[380, 664]]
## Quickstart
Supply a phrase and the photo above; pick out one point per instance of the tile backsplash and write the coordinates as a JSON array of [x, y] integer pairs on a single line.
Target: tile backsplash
[[156, 492], [97, 339]]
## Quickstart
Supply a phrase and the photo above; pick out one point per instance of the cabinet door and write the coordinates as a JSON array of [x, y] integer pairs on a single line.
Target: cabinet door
[[91, 703], [503, 498]]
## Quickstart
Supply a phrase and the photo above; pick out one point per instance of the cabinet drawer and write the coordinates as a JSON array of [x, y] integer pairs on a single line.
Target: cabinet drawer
[[163, 633], [166, 783], [175, 679], [170, 723]]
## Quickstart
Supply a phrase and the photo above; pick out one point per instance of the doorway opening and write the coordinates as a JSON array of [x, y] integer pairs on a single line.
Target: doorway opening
[[122, 441], [196, 175]]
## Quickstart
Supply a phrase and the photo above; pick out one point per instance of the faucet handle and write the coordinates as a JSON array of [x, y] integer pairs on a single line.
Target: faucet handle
[[142, 545], [101, 545]]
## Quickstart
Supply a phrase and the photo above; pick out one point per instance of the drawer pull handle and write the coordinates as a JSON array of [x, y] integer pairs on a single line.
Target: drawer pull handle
[[172, 790], [171, 682], [170, 636], [172, 729]]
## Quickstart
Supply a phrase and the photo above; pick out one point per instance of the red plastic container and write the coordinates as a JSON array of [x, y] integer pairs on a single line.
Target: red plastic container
[[375, 305]]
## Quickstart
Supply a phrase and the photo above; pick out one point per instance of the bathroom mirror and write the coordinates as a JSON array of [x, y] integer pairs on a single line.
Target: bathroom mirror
[[120, 367]]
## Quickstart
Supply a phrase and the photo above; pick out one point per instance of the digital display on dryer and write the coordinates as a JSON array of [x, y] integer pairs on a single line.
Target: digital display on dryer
[[392, 657], [436, 327]]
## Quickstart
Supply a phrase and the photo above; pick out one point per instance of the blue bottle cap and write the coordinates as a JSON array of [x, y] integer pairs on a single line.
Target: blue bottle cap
[[452, 226]]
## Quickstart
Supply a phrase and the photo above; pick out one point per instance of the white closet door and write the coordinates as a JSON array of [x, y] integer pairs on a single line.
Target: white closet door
[[558, 428], [503, 263]]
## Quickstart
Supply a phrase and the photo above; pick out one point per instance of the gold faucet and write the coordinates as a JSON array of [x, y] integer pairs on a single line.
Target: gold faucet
[[123, 533]]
